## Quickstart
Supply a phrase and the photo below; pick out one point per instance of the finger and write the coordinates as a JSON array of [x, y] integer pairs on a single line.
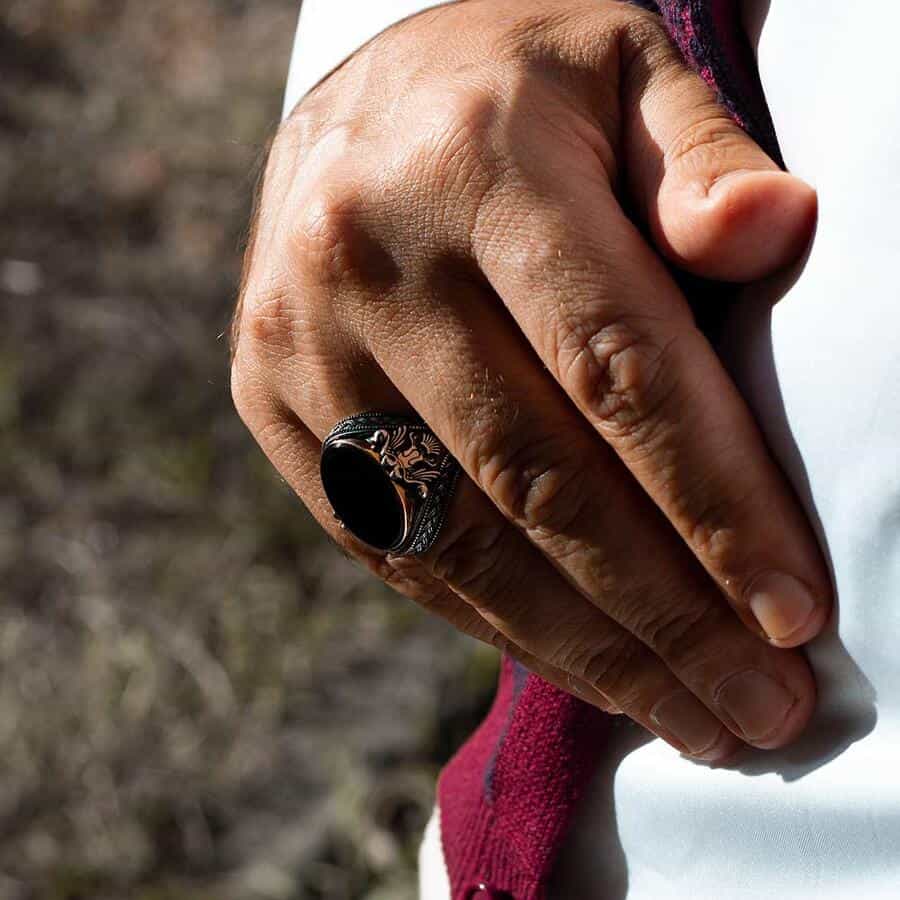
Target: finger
[[715, 202], [513, 599], [514, 433], [609, 323], [496, 569], [294, 451]]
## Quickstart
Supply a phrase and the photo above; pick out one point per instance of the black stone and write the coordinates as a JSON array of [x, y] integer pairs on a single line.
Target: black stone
[[362, 495]]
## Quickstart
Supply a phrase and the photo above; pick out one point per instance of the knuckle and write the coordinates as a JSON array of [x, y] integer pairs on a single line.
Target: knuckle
[[473, 559], [611, 669], [456, 145], [538, 487], [677, 634], [619, 376], [708, 144], [270, 313], [714, 533], [405, 575], [333, 245]]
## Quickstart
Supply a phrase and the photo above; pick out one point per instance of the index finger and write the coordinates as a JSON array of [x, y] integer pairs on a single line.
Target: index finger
[[610, 324]]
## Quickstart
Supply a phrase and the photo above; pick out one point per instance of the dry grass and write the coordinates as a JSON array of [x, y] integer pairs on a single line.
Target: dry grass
[[199, 697]]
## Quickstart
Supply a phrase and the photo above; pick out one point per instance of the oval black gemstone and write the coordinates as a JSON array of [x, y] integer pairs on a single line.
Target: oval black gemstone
[[362, 495]]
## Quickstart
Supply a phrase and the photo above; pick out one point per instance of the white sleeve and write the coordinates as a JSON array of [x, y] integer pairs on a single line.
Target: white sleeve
[[331, 30]]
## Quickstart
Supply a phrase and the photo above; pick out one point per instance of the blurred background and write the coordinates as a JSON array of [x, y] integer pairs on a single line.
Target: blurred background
[[199, 697]]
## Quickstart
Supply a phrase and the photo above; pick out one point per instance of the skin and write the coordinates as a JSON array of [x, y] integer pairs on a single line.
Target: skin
[[441, 228]]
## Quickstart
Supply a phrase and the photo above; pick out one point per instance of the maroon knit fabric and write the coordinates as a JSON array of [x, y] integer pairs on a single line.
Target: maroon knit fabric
[[711, 38], [509, 794]]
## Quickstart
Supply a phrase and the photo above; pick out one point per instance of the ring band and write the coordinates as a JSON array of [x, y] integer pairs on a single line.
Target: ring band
[[389, 480]]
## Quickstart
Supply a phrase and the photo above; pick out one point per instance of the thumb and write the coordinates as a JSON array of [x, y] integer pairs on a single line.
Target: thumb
[[716, 204]]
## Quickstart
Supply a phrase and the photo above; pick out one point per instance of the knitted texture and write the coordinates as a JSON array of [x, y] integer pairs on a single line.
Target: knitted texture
[[710, 37], [508, 796]]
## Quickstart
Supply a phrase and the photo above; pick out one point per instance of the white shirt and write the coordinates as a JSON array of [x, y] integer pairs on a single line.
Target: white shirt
[[819, 820], [331, 30]]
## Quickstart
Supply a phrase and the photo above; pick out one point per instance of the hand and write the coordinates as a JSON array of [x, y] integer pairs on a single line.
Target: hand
[[441, 229]]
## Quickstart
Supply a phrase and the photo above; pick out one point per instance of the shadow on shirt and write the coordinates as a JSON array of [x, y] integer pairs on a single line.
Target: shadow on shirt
[[747, 347]]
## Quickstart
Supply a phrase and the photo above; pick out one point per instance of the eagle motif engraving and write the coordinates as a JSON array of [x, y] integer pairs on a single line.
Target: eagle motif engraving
[[409, 456]]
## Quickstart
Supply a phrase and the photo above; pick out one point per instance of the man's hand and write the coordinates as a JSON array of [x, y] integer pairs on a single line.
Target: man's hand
[[441, 229]]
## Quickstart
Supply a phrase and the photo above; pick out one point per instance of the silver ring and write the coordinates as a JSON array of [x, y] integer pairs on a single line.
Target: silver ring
[[389, 480]]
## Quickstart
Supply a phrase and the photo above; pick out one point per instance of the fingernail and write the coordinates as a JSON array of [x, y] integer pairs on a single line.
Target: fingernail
[[757, 703], [782, 605], [683, 716]]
